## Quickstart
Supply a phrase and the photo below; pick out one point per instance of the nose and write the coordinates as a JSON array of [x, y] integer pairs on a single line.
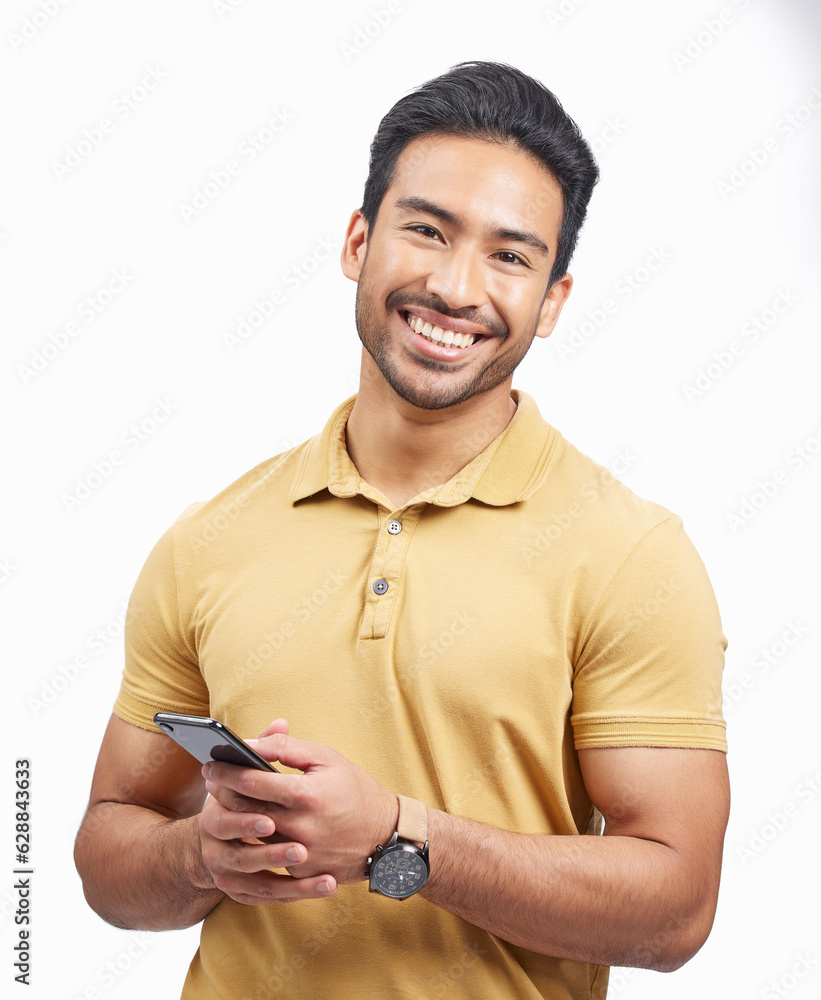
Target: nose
[[458, 278]]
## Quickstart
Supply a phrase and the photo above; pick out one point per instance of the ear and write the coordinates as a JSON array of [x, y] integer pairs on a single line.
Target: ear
[[355, 246], [552, 305]]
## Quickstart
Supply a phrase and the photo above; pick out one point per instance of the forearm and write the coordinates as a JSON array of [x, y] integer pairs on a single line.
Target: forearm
[[142, 870], [604, 900]]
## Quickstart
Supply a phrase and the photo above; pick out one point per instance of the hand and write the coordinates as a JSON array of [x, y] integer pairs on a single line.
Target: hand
[[238, 862], [335, 811]]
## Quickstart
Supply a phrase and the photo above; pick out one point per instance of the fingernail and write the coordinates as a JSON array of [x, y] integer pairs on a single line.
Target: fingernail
[[264, 826], [292, 854], [252, 742], [324, 887]]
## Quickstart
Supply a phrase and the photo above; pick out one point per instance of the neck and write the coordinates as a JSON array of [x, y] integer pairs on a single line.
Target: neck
[[401, 450]]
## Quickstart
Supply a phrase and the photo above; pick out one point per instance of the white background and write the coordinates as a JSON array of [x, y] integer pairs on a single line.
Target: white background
[[700, 167]]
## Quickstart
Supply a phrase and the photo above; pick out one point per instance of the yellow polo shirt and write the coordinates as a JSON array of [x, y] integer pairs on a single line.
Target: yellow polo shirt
[[461, 649]]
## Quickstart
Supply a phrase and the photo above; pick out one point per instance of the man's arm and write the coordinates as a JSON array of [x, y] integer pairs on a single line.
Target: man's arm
[[138, 850], [644, 894]]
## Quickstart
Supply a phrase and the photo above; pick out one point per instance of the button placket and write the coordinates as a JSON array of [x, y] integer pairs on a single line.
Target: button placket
[[384, 578]]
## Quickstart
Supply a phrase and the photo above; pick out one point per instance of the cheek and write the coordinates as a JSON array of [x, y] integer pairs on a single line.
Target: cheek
[[514, 304], [395, 270], [410, 263]]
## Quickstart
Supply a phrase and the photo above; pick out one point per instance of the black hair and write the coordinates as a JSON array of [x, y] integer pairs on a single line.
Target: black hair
[[498, 103]]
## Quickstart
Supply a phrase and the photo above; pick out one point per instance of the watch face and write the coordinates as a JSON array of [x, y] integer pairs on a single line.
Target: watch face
[[399, 871]]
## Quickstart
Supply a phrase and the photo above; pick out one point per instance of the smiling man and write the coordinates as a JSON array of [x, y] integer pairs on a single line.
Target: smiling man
[[474, 642]]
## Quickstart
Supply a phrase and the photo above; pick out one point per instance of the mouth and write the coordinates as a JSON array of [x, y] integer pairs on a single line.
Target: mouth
[[441, 336]]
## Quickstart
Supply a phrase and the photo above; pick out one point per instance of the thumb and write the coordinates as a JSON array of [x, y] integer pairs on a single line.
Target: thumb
[[295, 753], [277, 726]]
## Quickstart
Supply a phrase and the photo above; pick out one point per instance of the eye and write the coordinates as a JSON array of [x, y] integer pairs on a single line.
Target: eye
[[508, 257], [424, 230]]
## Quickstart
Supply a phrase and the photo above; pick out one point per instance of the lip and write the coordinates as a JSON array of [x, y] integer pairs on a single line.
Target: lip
[[446, 322], [440, 352]]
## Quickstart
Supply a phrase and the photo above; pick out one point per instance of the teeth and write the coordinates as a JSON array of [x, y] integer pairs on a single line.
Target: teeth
[[437, 335]]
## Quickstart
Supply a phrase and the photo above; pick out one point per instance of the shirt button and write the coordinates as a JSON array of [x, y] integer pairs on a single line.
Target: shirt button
[[394, 527], [380, 586]]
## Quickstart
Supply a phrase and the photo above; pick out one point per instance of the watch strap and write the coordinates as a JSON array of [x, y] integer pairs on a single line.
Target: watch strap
[[413, 821]]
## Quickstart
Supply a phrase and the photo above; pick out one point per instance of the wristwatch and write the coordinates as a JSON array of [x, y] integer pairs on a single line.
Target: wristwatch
[[400, 868]]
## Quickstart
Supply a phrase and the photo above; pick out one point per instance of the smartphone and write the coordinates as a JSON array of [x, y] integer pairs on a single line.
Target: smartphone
[[207, 740]]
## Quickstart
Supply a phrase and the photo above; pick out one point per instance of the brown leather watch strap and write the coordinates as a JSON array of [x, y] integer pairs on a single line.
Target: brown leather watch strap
[[413, 821]]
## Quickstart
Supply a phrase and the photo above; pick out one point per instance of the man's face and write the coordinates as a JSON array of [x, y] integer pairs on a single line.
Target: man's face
[[452, 274]]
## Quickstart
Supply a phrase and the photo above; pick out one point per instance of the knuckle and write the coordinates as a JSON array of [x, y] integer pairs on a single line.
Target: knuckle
[[236, 858], [302, 794], [237, 803], [240, 864], [203, 831], [217, 821], [248, 783], [227, 885], [215, 824]]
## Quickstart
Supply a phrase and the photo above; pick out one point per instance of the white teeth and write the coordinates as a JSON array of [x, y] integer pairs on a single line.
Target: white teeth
[[437, 335]]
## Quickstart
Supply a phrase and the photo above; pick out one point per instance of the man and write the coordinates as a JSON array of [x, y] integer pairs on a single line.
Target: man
[[481, 642]]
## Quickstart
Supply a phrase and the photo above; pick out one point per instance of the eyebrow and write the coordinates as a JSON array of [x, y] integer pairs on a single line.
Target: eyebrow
[[415, 203]]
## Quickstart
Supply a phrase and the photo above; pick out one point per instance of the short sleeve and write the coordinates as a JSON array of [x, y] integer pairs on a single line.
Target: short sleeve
[[161, 667], [652, 652]]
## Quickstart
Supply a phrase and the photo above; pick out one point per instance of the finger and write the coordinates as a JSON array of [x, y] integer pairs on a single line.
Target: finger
[[269, 887], [225, 858], [235, 802], [223, 823], [277, 726], [252, 787], [293, 752]]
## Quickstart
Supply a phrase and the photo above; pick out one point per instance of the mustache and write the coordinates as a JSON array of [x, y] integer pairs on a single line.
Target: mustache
[[398, 299]]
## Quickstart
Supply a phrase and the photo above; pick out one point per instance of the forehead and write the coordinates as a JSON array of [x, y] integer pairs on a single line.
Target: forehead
[[478, 178]]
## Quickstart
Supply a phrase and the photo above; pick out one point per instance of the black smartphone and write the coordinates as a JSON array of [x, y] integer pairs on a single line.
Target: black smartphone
[[207, 740]]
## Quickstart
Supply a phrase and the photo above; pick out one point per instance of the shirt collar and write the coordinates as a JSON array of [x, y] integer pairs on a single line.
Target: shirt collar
[[510, 469]]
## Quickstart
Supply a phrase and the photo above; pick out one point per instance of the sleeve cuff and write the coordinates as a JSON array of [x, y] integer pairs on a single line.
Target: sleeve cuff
[[642, 731]]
